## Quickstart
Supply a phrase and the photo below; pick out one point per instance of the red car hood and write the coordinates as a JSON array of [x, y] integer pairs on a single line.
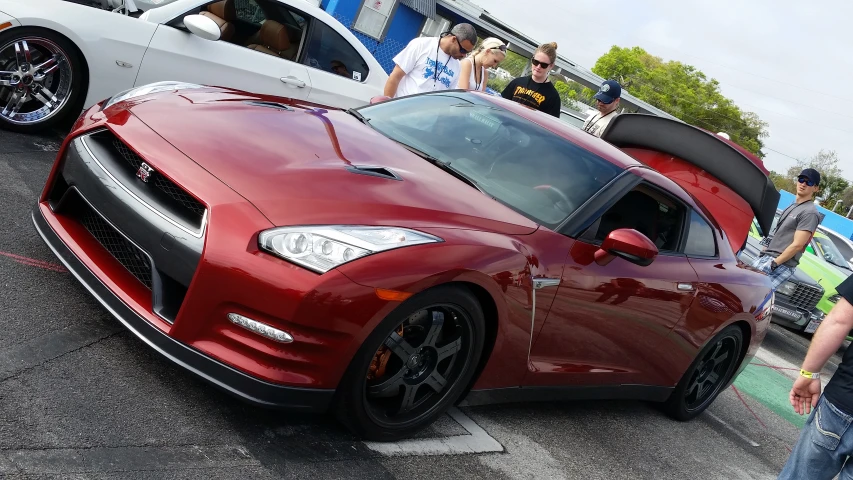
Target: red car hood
[[293, 162]]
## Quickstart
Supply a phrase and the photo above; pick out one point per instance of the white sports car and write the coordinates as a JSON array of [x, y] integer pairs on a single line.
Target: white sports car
[[58, 57]]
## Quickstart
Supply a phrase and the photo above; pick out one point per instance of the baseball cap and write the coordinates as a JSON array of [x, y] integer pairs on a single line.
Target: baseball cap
[[811, 174], [609, 91]]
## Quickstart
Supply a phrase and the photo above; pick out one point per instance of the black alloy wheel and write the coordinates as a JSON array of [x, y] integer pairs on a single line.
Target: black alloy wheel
[[414, 366], [710, 372]]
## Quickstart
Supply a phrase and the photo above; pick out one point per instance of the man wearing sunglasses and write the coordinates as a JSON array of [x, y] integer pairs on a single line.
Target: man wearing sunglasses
[[607, 102], [431, 63], [793, 231]]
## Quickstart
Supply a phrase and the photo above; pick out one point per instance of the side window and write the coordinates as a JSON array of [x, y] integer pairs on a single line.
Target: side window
[[700, 238], [648, 211], [250, 12], [327, 50]]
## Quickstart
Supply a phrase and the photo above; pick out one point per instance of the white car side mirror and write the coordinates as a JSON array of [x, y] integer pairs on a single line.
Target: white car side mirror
[[203, 27]]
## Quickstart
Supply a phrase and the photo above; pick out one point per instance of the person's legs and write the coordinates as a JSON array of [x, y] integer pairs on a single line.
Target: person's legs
[[824, 445]]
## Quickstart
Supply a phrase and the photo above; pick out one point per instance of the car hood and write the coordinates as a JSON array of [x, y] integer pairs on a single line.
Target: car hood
[[302, 164], [826, 274]]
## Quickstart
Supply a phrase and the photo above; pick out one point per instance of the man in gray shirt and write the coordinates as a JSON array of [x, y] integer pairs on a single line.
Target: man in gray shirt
[[793, 231]]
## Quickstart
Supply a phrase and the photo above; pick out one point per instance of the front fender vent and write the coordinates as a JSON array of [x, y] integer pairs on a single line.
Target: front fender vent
[[375, 171]]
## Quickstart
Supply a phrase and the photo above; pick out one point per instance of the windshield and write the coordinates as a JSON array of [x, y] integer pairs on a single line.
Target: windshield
[[830, 252], [518, 163]]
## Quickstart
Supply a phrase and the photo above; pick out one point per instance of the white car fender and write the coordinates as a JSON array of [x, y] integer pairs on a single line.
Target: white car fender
[[112, 44], [6, 18]]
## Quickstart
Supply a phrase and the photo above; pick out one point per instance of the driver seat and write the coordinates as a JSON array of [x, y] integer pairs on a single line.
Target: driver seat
[[223, 13], [273, 39]]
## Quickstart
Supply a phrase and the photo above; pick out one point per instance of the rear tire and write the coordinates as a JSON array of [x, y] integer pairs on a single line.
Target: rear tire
[[710, 371], [46, 76], [396, 386]]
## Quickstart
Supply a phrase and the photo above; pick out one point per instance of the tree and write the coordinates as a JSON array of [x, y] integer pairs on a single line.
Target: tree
[[684, 92], [781, 181], [833, 184]]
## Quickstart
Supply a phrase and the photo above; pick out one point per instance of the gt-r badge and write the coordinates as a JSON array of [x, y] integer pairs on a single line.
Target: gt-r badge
[[144, 172]]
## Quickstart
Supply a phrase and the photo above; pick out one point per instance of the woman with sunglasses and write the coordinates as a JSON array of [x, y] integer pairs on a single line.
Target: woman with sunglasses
[[472, 72], [535, 90]]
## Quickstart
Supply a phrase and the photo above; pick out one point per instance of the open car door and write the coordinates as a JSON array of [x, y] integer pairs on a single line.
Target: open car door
[[725, 178]]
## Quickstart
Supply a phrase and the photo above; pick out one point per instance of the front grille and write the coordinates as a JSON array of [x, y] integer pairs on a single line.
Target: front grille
[[131, 257], [161, 182], [805, 297]]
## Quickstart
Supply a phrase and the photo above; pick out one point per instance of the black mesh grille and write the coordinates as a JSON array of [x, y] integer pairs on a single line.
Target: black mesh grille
[[136, 262], [161, 182], [806, 297]]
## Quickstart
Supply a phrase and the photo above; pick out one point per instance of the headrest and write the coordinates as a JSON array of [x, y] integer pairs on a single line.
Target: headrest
[[274, 35], [226, 10]]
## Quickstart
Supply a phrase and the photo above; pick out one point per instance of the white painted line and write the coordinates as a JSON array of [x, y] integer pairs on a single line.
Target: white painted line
[[733, 430], [478, 441]]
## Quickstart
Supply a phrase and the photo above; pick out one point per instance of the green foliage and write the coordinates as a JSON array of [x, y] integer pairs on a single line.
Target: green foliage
[[514, 64], [782, 182], [684, 92]]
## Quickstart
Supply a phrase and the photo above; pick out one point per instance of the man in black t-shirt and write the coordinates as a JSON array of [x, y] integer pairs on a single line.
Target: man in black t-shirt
[[826, 442]]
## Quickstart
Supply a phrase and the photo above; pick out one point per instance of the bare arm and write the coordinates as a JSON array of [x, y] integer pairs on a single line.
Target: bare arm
[[394, 81], [826, 341], [465, 75], [801, 237]]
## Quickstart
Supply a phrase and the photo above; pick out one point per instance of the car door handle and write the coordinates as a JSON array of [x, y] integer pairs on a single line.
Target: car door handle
[[542, 282], [293, 81], [687, 287]]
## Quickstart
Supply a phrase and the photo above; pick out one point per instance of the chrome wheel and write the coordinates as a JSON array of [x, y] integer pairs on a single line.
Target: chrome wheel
[[36, 78]]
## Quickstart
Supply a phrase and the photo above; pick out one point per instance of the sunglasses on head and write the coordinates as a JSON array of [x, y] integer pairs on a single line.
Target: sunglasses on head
[[540, 64], [806, 181], [500, 47]]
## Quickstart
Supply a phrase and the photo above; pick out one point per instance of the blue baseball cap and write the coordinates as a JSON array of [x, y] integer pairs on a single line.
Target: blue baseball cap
[[811, 174], [609, 91]]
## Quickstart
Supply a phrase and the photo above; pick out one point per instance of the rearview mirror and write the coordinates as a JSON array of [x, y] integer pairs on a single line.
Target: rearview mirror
[[203, 27], [628, 244]]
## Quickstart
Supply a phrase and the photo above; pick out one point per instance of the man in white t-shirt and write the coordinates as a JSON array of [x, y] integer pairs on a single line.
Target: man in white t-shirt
[[431, 63], [607, 104]]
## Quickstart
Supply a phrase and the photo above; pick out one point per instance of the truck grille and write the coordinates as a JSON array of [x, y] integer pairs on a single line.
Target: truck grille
[[805, 297]]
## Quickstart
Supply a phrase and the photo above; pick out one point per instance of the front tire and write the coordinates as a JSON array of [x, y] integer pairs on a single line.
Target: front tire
[[710, 371], [41, 79], [414, 365]]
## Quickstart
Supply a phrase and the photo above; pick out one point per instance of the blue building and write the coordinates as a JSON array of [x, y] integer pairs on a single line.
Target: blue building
[[385, 27]]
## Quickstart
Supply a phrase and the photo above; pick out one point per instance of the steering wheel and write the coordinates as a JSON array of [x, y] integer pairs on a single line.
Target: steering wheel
[[564, 198]]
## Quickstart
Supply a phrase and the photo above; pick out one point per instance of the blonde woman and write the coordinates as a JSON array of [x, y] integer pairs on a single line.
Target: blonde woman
[[535, 90], [472, 72]]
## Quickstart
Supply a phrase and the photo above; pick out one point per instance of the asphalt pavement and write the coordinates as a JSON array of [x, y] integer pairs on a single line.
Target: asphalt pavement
[[81, 397]]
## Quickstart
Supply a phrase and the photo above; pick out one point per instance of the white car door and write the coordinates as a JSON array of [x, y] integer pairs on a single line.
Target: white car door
[[177, 54]]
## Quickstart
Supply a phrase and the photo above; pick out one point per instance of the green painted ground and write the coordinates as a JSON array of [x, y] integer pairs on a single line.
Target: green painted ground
[[771, 388]]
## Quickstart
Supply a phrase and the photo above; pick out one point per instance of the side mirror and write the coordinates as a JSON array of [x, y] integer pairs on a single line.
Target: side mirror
[[629, 244], [203, 27], [379, 99]]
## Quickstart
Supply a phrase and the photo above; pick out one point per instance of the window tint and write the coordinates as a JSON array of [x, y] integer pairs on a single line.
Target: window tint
[[249, 12], [649, 212], [517, 162], [700, 239], [328, 51]]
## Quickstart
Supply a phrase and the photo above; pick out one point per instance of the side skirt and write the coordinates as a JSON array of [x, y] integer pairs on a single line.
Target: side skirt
[[562, 393]]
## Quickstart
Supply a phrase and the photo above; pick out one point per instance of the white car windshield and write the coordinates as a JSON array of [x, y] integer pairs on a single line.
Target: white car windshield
[[517, 162]]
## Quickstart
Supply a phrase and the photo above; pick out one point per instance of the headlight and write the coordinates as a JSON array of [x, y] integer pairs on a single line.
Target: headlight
[[787, 288], [322, 248], [146, 89]]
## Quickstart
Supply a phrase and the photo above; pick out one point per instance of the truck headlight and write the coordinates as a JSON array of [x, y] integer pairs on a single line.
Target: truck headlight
[[787, 288]]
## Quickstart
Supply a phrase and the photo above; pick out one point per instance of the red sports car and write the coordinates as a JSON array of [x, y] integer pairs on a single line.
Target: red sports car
[[387, 262]]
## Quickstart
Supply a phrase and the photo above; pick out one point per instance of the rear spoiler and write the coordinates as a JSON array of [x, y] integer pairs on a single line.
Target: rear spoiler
[[732, 165]]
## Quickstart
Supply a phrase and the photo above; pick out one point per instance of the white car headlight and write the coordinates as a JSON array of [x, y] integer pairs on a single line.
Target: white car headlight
[[787, 288], [147, 89], [324, 247]]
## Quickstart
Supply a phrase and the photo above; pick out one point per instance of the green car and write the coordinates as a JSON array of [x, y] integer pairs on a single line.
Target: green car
[[816, 266]]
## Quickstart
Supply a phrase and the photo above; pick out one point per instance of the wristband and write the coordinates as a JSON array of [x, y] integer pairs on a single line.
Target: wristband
[[808, 374]]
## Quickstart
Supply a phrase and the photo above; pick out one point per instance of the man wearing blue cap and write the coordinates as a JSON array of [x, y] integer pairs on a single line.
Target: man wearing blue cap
[[793, 232], [607, 100]]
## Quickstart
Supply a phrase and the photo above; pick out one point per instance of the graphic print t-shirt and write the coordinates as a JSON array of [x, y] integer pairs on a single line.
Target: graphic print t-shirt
[[541, 96], [426, 71]]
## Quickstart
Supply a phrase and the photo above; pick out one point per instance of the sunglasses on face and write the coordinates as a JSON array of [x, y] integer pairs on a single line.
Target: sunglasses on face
[[537, 63], [461, 48], [806, 181]]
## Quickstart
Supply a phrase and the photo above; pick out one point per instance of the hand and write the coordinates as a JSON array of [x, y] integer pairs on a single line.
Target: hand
[[805, 394], [773, 265]]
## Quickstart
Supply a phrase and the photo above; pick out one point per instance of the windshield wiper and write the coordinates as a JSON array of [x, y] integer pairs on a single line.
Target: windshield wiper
[[444, 166], [361, 118]]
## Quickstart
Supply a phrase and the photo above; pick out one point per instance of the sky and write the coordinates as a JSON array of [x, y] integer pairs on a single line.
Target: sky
[[789, 62]]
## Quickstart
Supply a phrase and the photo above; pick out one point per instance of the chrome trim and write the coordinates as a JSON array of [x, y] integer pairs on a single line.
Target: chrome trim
[[542, 282], [685, 287], [538, 283], [198, 234]]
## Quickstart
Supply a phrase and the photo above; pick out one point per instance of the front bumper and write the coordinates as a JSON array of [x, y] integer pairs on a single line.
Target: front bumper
[[246, 387]]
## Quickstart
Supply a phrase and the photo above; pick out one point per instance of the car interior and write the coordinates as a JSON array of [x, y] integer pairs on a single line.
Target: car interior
[[649, 212]]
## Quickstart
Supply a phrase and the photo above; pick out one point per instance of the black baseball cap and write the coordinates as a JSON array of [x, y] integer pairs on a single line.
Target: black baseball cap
[[811, 174]]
